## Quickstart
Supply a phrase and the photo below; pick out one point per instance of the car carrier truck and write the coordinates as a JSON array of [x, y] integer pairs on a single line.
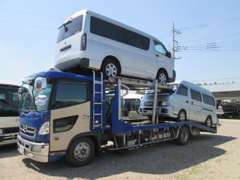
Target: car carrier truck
[[76, 115]]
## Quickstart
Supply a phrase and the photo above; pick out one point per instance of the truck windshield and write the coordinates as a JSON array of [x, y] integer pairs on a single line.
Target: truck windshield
[[8, 101], [32, 100], [26, 98], [70, 28]]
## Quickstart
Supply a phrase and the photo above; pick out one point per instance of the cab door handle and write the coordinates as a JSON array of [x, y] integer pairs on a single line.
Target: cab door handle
[[157, 55]]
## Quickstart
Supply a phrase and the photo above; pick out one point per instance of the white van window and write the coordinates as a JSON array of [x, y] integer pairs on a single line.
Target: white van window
[[70, 28], [195, 95], [160, 48], [208, 100], [182, 90], [117, 33]]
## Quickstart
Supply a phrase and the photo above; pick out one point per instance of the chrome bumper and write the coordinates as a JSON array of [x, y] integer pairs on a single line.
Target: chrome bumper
[[36, 151]]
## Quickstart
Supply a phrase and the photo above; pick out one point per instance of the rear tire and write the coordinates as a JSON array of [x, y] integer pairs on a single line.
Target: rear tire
[[183, 136], [80, 152], [111, 69]]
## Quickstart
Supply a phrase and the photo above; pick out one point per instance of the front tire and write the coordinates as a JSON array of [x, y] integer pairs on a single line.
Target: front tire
[[81, 152], [182, 116], [162, 77], [110, 69]]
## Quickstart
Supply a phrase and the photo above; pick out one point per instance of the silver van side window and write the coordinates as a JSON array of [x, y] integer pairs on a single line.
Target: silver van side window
[[208, 100], [195, 95], [160, 48], [182, 90]]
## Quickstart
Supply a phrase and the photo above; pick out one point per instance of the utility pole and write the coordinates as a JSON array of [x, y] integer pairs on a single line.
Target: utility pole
[[174, 41]]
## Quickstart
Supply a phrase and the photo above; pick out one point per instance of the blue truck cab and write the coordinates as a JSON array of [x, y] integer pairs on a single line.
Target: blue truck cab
[[75, 115]]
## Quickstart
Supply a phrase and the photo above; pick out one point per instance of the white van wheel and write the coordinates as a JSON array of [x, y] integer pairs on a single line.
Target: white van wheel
[[182, 115], [208, 121], [110, 69], [162, 77]]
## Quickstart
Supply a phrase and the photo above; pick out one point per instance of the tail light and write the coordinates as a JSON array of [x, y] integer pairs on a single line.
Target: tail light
[[84, 42]]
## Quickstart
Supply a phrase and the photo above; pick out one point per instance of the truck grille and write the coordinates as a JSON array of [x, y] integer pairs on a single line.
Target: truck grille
[[29, 131]]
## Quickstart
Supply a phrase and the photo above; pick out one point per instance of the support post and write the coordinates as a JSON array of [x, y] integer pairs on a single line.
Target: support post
[[155, 101]]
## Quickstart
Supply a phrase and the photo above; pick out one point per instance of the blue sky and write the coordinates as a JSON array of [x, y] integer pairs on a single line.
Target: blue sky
[[28, 32]]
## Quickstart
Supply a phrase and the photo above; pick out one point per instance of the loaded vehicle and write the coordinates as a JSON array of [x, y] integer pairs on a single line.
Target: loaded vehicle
[[184, 101], [9, 120], [132, 101], [77, 115], [89, 40]]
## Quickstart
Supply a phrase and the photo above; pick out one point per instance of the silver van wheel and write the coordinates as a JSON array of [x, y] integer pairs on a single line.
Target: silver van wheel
[[162, 78], [111, 69], [182, 116], [208, 122]]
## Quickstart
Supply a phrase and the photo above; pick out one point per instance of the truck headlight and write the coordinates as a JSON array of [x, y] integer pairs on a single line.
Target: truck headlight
[[44, 129]]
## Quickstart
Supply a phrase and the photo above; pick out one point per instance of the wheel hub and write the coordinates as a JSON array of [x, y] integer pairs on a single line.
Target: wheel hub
[[111, 70], [82, 151]]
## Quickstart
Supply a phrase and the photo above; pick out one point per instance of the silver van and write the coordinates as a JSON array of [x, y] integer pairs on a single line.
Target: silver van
[[185, 101]]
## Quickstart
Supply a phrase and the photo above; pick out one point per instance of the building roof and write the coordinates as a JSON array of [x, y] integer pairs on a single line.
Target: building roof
[[226, 86]]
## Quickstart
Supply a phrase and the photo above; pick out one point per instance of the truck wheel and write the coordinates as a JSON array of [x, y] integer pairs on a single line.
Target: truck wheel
[[110, 69], [80, 152], [183, 136]]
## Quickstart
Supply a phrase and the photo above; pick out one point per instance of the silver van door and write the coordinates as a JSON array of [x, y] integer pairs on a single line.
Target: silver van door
[[196, 105], [182, 101]]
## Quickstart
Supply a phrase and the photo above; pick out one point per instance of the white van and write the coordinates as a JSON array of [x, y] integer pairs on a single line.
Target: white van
[[132, 101], [9, 120], [186, 101], [87, 39]]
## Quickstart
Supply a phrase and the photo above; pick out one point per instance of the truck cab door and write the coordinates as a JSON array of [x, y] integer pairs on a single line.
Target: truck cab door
[[70, 113]]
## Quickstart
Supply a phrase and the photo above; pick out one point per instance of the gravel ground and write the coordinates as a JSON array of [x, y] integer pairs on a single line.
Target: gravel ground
[[205, 157]]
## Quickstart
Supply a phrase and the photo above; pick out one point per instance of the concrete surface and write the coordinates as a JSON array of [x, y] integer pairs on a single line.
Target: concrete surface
[[205, 157]]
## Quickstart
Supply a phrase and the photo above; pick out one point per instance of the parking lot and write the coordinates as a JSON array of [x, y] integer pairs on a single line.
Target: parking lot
[[205, 157]]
